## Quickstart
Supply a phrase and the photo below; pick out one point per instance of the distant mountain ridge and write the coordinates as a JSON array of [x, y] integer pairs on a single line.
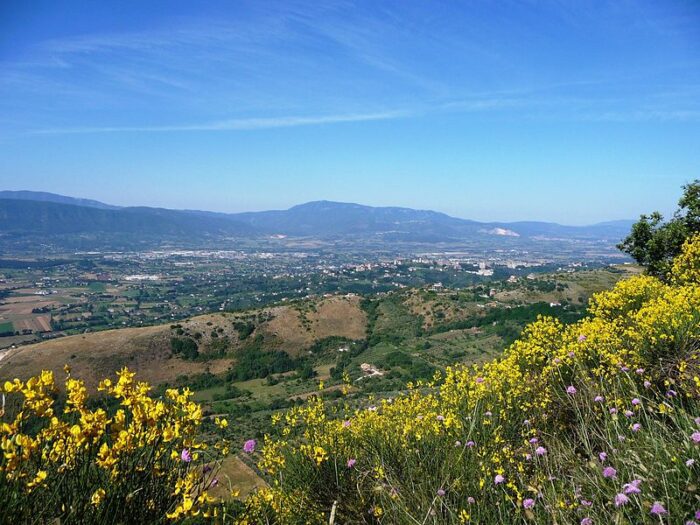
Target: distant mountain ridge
[[26, 212], [43, 196]]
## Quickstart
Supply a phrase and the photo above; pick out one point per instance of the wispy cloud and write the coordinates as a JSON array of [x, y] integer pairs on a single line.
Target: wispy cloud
[[235, 124]]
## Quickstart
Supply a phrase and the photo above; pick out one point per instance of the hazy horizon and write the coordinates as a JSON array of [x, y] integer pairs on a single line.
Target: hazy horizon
[[575, 113]]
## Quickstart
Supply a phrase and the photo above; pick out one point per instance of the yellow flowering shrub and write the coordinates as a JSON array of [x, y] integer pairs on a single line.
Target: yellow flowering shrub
[[135, 459]]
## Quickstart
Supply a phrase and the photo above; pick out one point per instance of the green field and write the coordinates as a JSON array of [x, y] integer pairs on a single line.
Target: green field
[[6, 327]]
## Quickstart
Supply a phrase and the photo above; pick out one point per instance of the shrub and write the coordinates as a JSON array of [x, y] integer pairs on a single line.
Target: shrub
[[140, 463]]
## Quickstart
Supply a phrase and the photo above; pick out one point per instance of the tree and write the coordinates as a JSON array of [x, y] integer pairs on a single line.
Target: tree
[[654, 243]]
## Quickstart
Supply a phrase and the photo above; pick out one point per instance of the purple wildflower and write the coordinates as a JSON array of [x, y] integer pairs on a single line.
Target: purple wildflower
[[479, 379], [470, 444], [581, 338], [528, 503], [639, 371], [586, 503], [587, 521], [621, 499], [658, 509], [598, 399], [470, 500], [441, 492], [609, 472], [697, 420], [351, 462], [625, 368], [441, 418], [636, 401], [498, 479], [613, 410], [690, 463], [629, 413], [533, 441], [602, 456], [540, 451], [632, 487], [571, 390], [636, 427], [185, 455], [695, 436], [346, 423], [647, 383], [249, 446]]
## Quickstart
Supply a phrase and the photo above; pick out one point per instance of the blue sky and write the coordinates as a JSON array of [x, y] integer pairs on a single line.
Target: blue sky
[[574, 112]]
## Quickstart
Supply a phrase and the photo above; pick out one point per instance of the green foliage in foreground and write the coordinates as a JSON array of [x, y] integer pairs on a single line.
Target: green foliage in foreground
[[654, 243]]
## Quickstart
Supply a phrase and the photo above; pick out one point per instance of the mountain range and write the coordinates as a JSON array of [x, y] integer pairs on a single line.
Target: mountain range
[[41, 213]]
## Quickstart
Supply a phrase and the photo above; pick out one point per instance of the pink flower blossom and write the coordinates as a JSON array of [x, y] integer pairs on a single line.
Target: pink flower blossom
[[571, 390], [690, 463], [528, 503], [587, 521], [647, 384], [658, 509], [249, 446], [441, 492], [598, 399], [602, 456], [470, 500], [351, 462], [695, 436], [636, 401], [540, 451], [185, 455], [498, 479], [581, 338], [636, 427]]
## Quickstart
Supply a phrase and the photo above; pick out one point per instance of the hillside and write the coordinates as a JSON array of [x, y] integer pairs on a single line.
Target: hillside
[[148, 350], [582, 423]]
